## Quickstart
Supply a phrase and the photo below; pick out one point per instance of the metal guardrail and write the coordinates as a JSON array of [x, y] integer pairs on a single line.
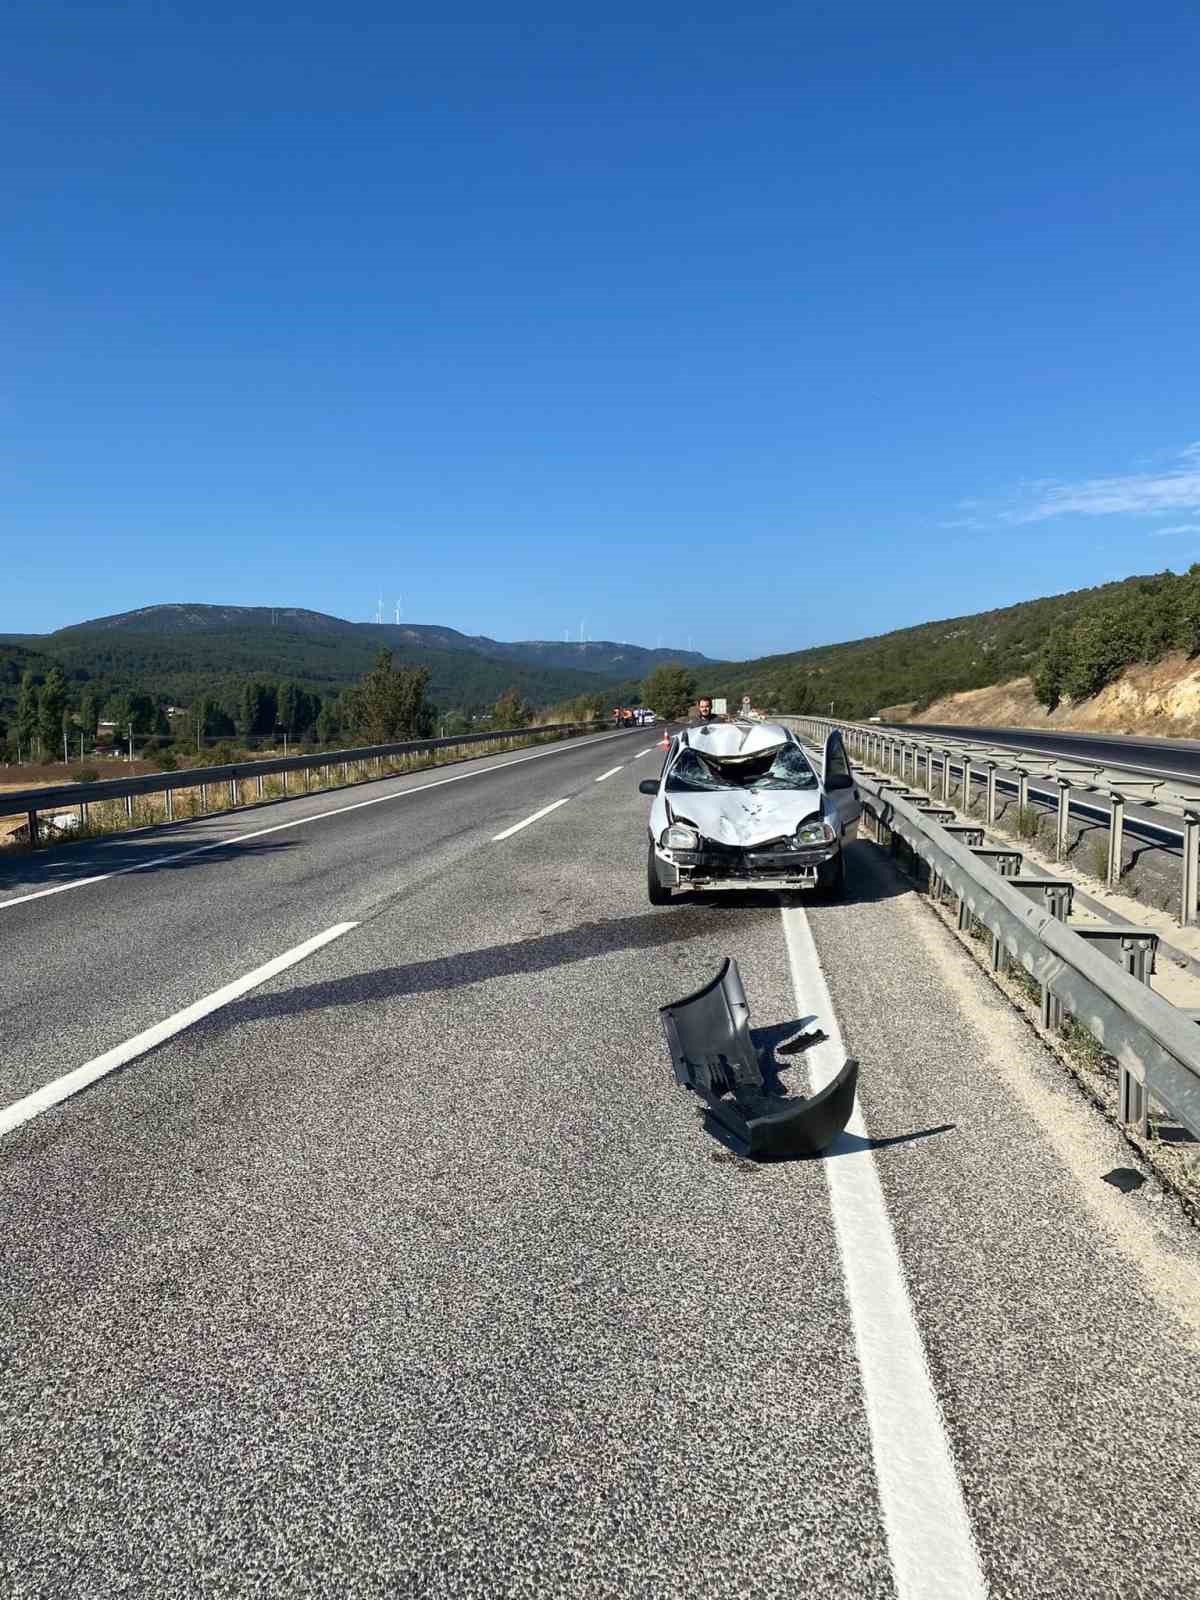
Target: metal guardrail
[[1099, 976], [888, 751], [55, 797]]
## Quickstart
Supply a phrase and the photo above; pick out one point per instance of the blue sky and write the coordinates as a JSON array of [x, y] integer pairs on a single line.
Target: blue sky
[[767, 326]]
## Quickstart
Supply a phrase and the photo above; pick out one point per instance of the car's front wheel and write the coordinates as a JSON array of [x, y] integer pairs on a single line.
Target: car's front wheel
[[831, 880], [658, 895]]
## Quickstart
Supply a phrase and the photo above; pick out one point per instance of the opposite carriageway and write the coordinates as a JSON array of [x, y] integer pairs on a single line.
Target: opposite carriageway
[[1157, 803]]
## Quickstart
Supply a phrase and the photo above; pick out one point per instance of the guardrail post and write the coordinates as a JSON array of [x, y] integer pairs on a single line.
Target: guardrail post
[[258, 786], [32, 821], [946, 777], [1116, 835], [1051, 1010], [1022, 789], [345, 772], [991, 794], [1191, 868], [1134, 1101], [169, 795], [966, 783], [233, 792], [1064, 820], [129, 807], [204, 797], [284, 776]]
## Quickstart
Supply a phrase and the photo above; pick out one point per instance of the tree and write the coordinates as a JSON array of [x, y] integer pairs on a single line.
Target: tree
[[27, 712], [135, 708], [389, 703], [668, 691], [287, 710], [256, 709], [89, 715], [52, 711], [1050, 674], [329, 722], [510, 711]]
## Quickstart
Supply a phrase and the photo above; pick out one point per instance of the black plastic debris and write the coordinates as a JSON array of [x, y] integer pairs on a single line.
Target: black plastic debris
[[708, 1035]]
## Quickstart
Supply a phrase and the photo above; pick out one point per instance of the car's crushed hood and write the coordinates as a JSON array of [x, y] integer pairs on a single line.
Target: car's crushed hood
[[745, 817], [737, 741]]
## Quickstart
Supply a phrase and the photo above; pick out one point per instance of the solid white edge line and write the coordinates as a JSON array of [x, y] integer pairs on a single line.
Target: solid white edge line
[[517, 826], [298, 822], [610, 773], [62, 1088], [929, 1536]]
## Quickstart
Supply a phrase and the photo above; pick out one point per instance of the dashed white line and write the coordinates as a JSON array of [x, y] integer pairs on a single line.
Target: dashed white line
[[72, 1082], [296, 822], [648, 751], [929, 1535], [610, 773], [517, 826]]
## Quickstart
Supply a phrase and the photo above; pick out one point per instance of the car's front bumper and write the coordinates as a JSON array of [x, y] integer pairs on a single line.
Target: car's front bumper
[[725, 867]]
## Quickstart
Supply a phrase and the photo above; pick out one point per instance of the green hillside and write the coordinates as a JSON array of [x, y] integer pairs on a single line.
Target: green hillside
[[1071, 643], [180, 667]]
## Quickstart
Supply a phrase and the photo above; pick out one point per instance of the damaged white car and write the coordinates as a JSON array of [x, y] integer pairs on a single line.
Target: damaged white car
[[739, 805]]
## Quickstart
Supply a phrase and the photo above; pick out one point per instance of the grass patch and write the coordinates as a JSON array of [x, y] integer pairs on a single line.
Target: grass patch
[[1096, 859], [1026, 822]]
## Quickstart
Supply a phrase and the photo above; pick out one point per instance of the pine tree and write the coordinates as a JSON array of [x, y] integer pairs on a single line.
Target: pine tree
[[52, 710]]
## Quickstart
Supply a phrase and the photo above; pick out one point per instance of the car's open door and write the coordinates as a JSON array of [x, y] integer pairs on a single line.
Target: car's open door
[[840, 785]]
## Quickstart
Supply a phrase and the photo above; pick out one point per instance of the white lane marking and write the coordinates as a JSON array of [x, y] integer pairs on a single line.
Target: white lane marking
[[297, 822], [610, 773], [62, 1088], [648, 751], [929, 1535], [517, 826]]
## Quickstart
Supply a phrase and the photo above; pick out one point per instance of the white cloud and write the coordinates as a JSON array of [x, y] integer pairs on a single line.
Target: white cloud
[[1180, 527], [1173, 488]]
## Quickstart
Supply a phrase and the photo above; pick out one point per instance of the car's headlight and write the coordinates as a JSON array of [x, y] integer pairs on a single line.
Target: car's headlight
[[680, 837], [815, 833]]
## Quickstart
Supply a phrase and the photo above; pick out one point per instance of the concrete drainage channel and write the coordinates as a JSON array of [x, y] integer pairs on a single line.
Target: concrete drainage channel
[[1086, 990]]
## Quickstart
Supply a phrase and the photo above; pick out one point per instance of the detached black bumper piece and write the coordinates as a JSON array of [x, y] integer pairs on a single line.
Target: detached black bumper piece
[[708, 1035]]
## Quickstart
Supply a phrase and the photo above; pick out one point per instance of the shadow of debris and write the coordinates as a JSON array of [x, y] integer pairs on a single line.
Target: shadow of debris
[[849, 1144], [589, 939], [846, 1144]]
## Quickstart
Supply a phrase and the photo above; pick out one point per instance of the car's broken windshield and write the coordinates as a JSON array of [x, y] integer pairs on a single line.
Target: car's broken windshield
[[784, 768]]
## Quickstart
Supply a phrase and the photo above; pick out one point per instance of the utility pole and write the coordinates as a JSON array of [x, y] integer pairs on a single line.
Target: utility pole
[[131, 742]]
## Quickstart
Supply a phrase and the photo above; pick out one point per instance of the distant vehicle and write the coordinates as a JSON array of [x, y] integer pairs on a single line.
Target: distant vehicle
[[874, 719], [739, 805]]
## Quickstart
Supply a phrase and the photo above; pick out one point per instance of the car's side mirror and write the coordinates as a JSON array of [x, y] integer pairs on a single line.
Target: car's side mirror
[[648, 786]]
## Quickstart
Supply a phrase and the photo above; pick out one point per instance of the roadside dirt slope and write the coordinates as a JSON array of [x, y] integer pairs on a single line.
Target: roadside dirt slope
[[1163, 698]]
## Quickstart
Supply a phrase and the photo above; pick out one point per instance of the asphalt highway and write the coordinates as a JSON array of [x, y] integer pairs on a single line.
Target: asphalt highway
[[1176, 759], [384, 1257]]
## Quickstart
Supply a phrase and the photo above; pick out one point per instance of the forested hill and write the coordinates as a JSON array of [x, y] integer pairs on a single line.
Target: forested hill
[[319, 634], [1070, 644], [178, 653]]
